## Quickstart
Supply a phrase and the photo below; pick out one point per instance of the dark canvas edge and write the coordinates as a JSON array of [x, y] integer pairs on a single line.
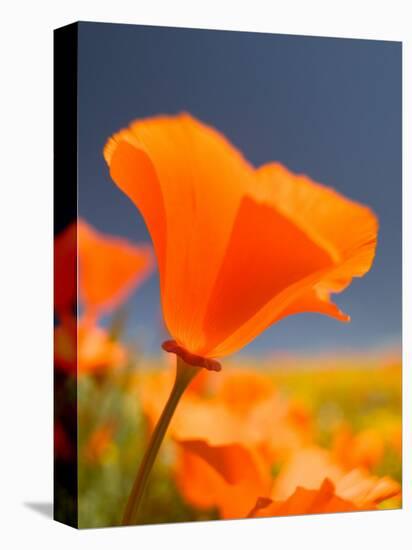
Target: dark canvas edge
[[65, 61]]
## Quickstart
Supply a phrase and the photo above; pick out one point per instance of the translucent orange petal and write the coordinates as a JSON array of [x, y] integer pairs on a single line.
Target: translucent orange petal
[[235, 477], [132, 170], [344, 229], [234, 462], [338, 224], [310, 467], [312, 301], [198, 482], [109, 268], [187, 181], [304, 501], [364, 489], [266, 254]]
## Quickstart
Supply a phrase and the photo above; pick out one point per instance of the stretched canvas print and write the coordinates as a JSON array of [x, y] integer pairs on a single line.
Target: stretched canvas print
[[227, 260]]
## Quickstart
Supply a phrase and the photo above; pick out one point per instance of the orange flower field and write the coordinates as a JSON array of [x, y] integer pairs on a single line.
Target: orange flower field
[[196, 430], [266, 438]]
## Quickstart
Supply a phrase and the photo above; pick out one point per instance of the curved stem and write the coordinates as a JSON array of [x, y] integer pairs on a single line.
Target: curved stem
[[184, 374]]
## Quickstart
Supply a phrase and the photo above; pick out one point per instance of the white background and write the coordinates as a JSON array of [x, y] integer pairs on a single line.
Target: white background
[[26, 271]]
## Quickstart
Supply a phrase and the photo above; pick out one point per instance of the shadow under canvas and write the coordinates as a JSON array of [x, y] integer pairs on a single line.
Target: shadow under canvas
[[43, 508]]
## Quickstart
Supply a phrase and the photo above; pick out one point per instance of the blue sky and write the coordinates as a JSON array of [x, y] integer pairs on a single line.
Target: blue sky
[[330, 108]]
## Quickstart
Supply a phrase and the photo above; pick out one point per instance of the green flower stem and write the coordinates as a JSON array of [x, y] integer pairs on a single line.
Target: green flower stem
[[184, 374]]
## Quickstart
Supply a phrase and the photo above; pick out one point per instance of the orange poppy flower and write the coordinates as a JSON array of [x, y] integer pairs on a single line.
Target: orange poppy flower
[[238, 248], [229, 431], [85, 347], [240, 406], [234, 480], [310, 467], [99, 443], [364, 449], [109, 268]]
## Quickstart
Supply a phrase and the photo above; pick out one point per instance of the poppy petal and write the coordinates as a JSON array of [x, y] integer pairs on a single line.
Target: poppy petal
[[233, 462], [344, 229], [227, 477], [109, 268], [266, 254], [195, 180], [309, 468], [304, 501], [314, 302]]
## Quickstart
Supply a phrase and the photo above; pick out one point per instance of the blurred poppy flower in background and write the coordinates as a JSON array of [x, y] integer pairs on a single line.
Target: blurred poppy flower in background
[[86, 347], [110, 268], [310, 467], [305, 501], [365, 448], [235, 480], [240, 406], [245, 450], [238, 248], [99, 443], [229, 478]]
